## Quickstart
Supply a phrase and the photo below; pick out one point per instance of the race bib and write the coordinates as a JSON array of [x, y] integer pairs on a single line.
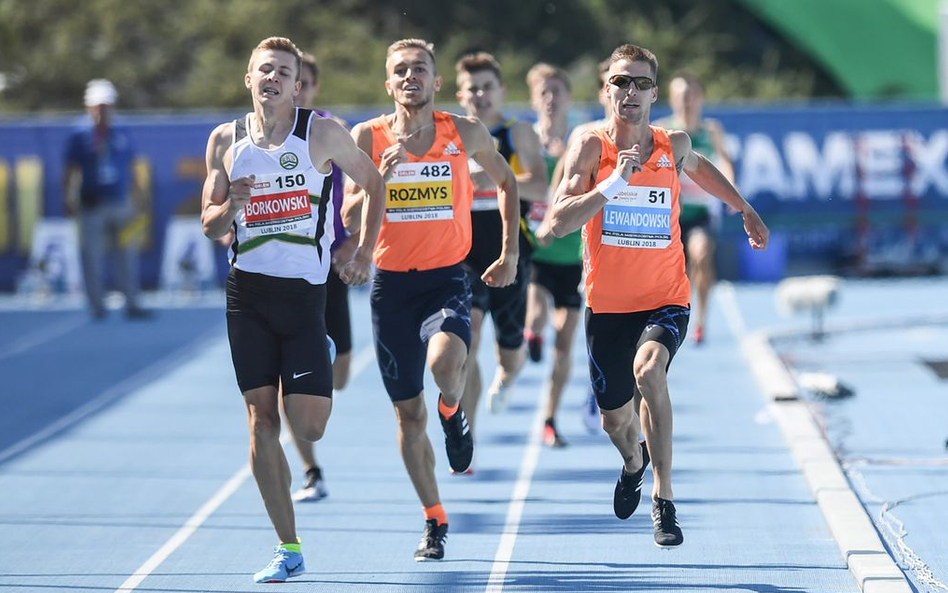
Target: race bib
[[420, 192], [484, 201], [279, 204], [639, 217]]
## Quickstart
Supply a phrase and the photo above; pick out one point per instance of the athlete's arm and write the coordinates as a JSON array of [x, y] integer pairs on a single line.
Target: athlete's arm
[[332, 140], [533, 182], [480, 146], [724, 162], [710, 179], [72, 177], [353, 194], [544, 232], [577, 200], [222, 198]]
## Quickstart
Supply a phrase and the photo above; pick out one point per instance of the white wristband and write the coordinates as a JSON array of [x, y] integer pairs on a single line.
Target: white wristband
[[612, 185]]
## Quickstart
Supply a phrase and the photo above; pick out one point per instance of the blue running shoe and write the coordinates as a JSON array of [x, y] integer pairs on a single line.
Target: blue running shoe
[[285, 564]]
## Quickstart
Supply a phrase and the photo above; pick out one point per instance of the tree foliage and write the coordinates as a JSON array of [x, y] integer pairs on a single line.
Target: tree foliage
[[174, 54]]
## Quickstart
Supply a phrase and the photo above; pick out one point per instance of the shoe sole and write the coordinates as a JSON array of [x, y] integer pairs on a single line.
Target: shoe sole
[[423, 559], [667, 546], [289, 576], [309, 498]]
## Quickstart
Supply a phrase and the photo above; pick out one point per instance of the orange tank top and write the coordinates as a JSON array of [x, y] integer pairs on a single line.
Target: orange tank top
[[427, 222], [633, 256]]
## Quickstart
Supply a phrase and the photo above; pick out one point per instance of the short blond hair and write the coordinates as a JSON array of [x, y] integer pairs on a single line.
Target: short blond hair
[[412, 43], [278, 44], [542, 71]]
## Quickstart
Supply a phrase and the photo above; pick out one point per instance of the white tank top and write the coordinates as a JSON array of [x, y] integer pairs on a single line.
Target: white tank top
[[286, 229]]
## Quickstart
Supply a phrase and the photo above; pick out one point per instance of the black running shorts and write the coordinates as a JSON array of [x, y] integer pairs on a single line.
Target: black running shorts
[[407, 309], [612, 340], [507, 305], [338, 323], [562, 282], [277, 331]]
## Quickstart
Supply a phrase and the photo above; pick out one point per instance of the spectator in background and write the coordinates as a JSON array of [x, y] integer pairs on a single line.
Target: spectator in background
[[698, 208], [97, 183]]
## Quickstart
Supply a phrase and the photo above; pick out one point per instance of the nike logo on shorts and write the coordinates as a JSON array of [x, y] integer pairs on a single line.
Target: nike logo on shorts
[[298, 375]]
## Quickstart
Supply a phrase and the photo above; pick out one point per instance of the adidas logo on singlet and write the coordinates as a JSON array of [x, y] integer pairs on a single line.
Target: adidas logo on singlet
[[664, 162], [451, 149]]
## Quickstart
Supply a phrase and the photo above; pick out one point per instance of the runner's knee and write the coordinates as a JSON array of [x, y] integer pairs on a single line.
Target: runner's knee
[[649, 375], [616, 420], [265, 424]]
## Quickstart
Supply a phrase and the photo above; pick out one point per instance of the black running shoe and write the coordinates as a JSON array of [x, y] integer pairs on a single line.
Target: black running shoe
[[667, 532], [458, 441], [431, 546], [629, 489]]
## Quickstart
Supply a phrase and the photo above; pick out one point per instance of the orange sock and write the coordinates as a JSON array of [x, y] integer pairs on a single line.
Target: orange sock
[[436, 512], [445, 411]]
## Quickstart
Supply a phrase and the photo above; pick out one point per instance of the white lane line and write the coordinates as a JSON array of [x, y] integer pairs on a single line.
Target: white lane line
[[188, 529], [219, 498], [498, 571], [144, 376], [858, 540], [730, 308], [41, 336]]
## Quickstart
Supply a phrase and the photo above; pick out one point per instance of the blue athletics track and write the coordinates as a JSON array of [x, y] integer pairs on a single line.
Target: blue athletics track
[[124, 450]]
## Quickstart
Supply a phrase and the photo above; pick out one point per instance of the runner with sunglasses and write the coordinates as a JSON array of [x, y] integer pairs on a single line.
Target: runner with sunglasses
[[621, 185]]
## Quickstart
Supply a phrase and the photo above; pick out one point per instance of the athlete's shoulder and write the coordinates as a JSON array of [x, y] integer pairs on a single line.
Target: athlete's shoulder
[[679, 139], [472, 131], [320, 127], [464, 122], [582, 129], [585, 150], [223, 133]]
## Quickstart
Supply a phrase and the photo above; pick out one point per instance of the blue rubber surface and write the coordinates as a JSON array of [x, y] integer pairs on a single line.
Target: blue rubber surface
[[83, 509]]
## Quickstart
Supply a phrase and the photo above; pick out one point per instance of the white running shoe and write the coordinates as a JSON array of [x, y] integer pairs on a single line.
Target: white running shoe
[[314, 488], [498, 396], [592, 420]]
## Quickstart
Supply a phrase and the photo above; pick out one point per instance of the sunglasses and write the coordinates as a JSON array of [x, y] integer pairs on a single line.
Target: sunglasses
[[642, 83]]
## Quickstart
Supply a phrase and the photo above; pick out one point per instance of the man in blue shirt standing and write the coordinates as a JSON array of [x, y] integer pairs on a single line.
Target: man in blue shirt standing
[[97, 183]]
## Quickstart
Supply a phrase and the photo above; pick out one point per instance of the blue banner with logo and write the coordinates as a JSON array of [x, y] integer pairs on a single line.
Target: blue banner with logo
[[844, 189]]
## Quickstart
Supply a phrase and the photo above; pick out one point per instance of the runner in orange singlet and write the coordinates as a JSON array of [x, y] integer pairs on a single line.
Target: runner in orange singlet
[[621, 186], [421, 296]]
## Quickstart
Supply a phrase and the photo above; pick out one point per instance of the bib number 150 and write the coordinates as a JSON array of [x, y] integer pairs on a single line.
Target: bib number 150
[[290, 181]]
